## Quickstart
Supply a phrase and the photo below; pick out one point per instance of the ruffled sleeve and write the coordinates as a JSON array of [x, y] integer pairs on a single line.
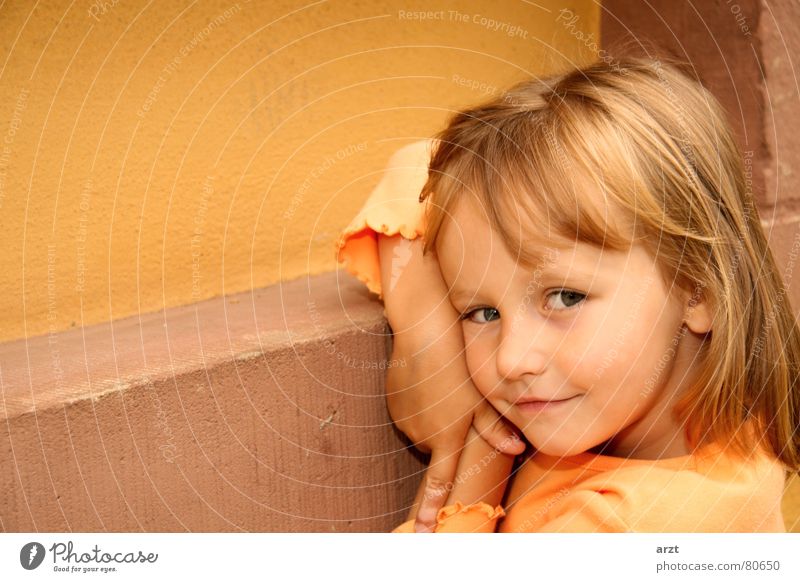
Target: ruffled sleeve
[[392, 208], [460, 518]]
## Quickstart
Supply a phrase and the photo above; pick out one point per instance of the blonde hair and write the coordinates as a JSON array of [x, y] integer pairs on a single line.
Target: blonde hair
[[658, 148]]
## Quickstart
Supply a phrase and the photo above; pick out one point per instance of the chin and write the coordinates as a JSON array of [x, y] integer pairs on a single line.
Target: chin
[[554, 448]]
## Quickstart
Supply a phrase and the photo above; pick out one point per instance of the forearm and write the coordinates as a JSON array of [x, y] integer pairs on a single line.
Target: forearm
[[413, 289], [433, 384]]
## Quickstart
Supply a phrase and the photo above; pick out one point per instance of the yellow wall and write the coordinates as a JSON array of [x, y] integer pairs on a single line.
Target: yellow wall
[[157, 154]]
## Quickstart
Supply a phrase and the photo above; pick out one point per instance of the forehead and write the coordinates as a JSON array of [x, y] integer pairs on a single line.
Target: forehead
[[534, 214], [474, 258], [467, 234], [470, 254]]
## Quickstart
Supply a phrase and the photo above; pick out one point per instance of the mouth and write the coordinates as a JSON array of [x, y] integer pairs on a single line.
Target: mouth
[[537, 406]]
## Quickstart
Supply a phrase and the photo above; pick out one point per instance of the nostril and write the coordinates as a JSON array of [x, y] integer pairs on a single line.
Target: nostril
[[521, 363]]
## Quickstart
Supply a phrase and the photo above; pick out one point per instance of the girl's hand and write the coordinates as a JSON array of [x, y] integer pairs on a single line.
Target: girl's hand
[[430, 395], [482, 476]]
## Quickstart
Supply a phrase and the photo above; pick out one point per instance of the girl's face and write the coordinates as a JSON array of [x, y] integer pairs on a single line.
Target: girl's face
[[587, 348]]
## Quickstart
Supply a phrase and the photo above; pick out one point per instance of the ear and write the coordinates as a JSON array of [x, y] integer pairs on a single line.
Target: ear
[[698, 314]]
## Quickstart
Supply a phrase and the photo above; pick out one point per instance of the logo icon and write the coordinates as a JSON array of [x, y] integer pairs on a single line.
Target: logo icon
[[31, 555]]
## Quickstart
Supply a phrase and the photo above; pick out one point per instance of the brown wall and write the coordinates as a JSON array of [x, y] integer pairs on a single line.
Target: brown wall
[[258, 412], [779, 30], [742, 50], [708, 36]]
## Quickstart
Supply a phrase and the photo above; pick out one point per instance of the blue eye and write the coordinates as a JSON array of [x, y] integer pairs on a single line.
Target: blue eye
[[568, 299], [482, 315]]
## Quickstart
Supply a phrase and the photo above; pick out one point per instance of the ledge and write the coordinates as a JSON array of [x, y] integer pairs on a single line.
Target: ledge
[[262, 411]]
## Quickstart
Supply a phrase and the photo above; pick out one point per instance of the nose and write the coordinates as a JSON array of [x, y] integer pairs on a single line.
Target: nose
[[523, 350]]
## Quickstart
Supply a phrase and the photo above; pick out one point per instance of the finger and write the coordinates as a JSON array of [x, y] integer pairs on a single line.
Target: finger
[[495, 431], [438, 483]]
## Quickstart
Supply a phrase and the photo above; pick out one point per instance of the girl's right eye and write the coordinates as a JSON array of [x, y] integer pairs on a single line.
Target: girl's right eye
[[568, 299], [482, 315]]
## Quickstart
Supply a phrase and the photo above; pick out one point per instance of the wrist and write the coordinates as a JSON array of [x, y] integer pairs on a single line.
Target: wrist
[[482, 473]]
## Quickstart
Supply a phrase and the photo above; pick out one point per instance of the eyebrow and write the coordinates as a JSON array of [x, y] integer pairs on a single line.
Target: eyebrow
[[574, 271], [460, 294]]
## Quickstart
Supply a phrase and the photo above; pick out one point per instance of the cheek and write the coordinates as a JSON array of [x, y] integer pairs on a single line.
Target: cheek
[[589, 357], [480, 363], [616, 344]]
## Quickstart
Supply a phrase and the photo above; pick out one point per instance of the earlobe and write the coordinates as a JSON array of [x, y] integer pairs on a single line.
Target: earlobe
[[698, 315]]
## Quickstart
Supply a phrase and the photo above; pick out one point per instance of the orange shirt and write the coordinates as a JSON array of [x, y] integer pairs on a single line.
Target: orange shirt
[[392, 208], [708, 491]]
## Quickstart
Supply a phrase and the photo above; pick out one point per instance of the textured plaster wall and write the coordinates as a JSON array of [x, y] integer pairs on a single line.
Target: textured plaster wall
[[157, 154], [231, 414], [780, 41]]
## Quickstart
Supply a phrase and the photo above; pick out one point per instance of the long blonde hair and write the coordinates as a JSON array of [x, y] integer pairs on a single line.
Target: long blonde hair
[[658, 147]]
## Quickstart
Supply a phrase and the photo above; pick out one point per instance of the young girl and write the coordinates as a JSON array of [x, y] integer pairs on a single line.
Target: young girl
[[618, 305]]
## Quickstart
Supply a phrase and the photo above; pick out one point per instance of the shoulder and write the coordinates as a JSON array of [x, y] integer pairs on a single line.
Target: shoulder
[[712, 493]]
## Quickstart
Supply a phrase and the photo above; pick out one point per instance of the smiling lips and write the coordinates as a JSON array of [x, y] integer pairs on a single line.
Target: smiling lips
[[536, 406]]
